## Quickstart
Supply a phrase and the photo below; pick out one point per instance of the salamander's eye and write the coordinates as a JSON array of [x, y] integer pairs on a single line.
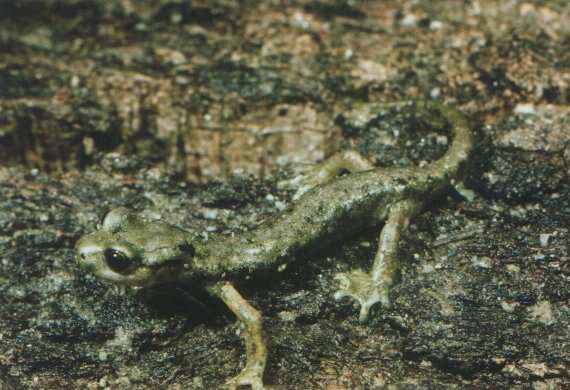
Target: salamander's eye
[[116, 260]]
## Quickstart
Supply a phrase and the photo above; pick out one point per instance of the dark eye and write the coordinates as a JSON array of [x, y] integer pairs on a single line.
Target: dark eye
[[117, 260]]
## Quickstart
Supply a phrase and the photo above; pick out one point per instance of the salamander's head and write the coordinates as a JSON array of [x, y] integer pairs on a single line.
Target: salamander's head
[[130, 251]]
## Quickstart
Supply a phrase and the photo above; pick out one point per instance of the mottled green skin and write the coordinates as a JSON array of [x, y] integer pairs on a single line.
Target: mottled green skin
[[341, 207], [161, 253]]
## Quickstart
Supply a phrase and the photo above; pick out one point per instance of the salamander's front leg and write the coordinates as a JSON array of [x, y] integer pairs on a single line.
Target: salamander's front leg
[[346, 161], [371, 288], [256, 350]]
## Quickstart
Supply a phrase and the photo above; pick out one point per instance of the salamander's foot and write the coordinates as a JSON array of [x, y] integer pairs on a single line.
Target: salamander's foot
[[250, 376], [360, 286]]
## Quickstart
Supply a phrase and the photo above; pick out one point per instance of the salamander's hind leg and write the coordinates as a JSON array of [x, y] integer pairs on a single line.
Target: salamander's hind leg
[[371, 288], [346, 161], [255, 348]]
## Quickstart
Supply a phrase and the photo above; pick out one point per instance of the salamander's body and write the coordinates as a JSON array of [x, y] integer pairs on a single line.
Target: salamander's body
[[131, 251], [347, 204]]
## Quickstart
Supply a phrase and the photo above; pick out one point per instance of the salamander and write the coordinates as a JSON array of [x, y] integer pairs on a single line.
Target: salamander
[[130, 251]]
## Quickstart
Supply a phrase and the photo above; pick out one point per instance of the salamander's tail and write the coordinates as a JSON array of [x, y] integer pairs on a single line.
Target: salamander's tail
[[451, 163], [449, 166]]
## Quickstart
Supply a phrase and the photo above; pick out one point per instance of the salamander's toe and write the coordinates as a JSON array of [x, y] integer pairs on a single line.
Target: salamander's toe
[[360, 286]]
